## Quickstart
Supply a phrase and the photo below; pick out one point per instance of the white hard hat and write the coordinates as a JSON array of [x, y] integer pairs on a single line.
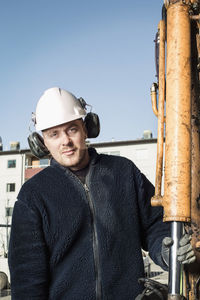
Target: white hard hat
[[57, 106]]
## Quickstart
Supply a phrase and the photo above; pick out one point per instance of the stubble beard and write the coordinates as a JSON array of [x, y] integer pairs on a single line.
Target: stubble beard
[[81, 161]]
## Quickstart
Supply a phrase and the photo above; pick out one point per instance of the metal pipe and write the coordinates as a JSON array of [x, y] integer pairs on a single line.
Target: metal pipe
[[157, 199], [174, 265], [154, 89], [157, 42], [159, 164], [177, 183]]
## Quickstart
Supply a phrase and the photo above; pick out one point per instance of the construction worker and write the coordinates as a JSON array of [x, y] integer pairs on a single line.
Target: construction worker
[[79, 225]]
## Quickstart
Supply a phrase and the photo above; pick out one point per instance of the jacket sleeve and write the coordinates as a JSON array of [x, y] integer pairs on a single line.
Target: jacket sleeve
[[154, 230], [28, 255]]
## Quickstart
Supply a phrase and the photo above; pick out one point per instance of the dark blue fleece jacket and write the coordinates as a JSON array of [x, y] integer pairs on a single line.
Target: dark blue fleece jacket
[[75, 242]]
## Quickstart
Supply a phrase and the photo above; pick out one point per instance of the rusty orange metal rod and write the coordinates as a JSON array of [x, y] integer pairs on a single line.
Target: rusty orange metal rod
[[178, 115], [154, 89], [177, 184], [159, 165]]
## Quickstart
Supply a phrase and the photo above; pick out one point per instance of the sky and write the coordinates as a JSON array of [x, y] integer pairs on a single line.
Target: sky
[[102, 51]]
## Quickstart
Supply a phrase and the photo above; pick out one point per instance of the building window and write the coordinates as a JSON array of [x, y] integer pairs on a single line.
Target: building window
[[9, 211], [10, 187], [12, 163]]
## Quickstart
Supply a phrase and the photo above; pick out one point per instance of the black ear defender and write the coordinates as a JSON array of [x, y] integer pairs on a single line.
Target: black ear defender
[[36, 141], [92, 125], [37, 146], [91, 121]]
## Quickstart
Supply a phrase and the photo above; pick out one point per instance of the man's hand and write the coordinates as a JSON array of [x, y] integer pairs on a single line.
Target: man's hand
[[185, 253]]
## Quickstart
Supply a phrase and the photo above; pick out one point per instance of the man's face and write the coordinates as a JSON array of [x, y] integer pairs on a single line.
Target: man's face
[[66, 144]]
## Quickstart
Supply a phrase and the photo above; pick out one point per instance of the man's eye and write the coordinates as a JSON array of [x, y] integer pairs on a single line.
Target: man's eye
[[53, 134], [72, 130]]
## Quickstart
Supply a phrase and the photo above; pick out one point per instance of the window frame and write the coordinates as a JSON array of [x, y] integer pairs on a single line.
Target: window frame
[[12, 165], [8, 187], [8, 211]]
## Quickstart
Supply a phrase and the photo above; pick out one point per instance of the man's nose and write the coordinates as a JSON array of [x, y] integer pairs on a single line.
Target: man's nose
[[65, 138]]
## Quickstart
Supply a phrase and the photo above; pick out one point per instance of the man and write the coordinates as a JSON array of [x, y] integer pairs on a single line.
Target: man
[[79, 225]]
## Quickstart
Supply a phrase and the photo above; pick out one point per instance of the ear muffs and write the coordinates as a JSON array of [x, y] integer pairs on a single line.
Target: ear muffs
[[92, 125], [37, 146]]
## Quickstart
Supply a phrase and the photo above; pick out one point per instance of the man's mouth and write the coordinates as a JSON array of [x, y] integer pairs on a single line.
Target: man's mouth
[[68, 152]]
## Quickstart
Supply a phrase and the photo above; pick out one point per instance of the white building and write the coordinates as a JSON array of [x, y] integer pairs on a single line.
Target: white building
[[11, 179], [142, 152]]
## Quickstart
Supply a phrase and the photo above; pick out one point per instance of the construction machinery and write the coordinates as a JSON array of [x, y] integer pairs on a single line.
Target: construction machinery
[[177, 106]]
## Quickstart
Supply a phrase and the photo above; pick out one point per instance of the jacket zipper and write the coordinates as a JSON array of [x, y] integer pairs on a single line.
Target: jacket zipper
[[95, 245]]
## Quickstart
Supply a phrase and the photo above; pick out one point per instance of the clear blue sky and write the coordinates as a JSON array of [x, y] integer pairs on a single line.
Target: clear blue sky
[[102, 51]]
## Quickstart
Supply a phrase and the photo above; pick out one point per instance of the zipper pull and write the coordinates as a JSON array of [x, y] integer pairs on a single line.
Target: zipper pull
[[86, 188]]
